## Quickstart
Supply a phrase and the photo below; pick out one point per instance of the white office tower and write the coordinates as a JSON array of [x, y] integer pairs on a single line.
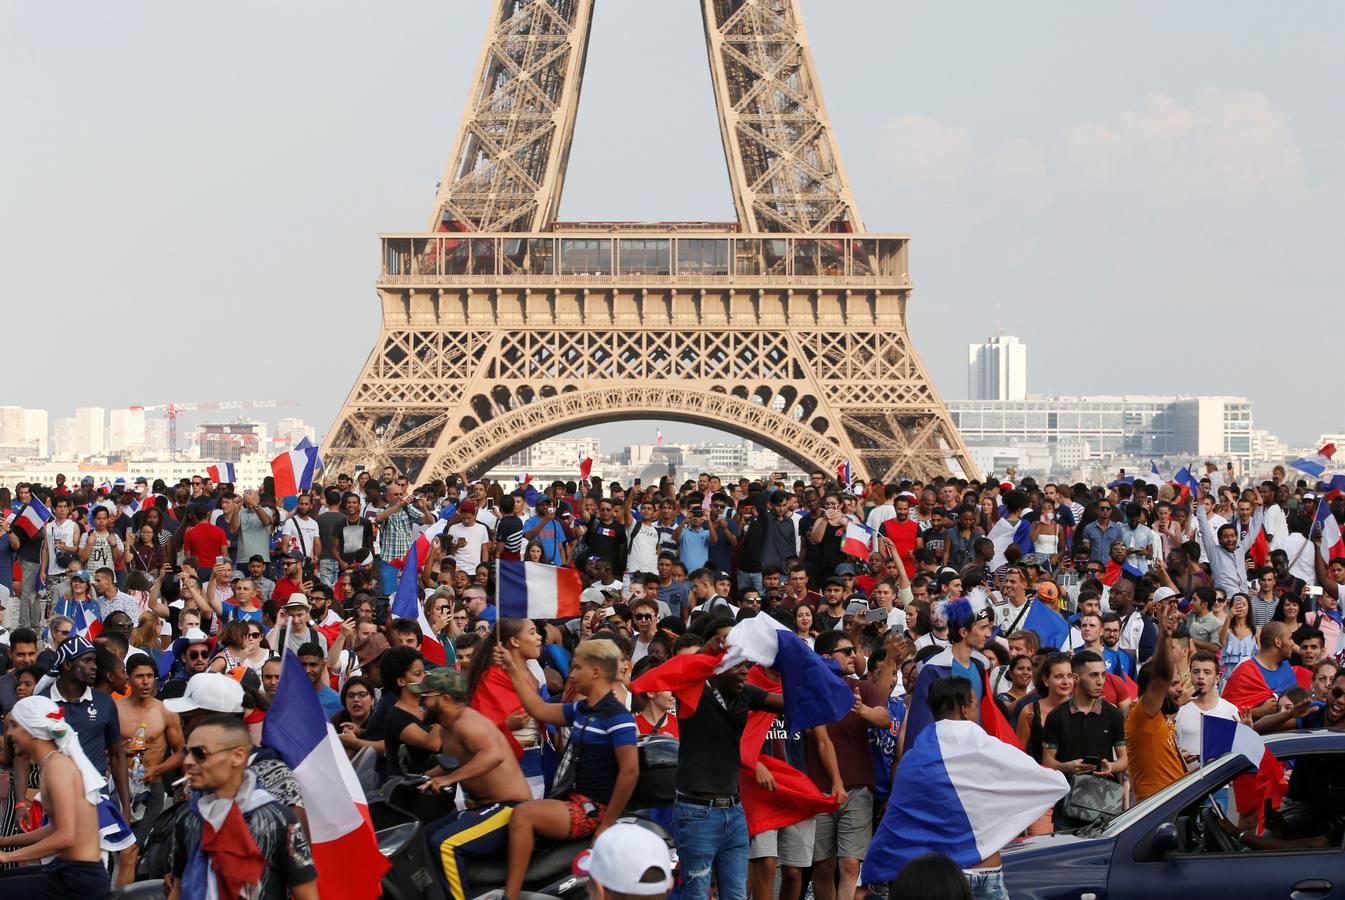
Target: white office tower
[[89, 437], [35, 431], [997, 369]]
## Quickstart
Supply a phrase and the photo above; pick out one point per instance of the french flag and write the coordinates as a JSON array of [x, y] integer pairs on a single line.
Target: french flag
[[406, 604], [843, 473], [306, 444], [32, 517], [1186, 480], [528, 590], [1315, 465], [293, 471], [345, 850], [222, 473], [84, 615], [858, 540], [962, 793], [1332, 542], [1153, 470], [814, 695], [1219, 736], [1048, 624], [1115, 570]]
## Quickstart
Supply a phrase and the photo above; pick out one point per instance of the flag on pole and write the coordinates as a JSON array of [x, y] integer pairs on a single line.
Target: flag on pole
[[529, 590], [858, 540], [843, 473], [1153, 470], [306, 444], [222, 473], [345, 850], [293, 471], [1187, 480], [659, 438], [1317, 465], [32, 517], [961, 793], [406, 605], [1332, 542], [585, 466]]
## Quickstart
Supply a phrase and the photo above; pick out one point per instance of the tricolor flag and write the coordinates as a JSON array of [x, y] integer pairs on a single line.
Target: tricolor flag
[[1219, 736], [1247, 686], [814, 694], [293, 471], [1186, 480], [1315, 465], [659, 438], [585, 466], [843, 473], [940, 665], [1332, 542], [345, 850], [32, 517], [961, 793], [1153, 470], [84, 615], [524, 480], [1115, 570], [528, 590], [406, 603], [222, 473], [306, 444], [858, 540]]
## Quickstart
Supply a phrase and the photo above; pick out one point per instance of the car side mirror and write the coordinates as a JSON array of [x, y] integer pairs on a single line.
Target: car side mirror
[[1165, 838]]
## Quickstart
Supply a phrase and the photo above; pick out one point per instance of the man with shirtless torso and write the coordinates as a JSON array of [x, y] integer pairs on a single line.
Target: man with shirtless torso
[[487, 771], [162, 750], [70, 789]]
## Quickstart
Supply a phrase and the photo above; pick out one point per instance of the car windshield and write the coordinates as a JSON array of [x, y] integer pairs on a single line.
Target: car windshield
[[1152, 802]]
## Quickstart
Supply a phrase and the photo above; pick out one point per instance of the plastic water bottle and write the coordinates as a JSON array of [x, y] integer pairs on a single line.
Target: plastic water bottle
[[139, 790]]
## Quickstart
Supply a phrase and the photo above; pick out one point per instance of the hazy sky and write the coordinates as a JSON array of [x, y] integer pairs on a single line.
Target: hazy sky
[[1151, 195]]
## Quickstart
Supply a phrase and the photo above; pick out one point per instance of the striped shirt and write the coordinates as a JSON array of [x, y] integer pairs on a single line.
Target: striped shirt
[[597, 731]]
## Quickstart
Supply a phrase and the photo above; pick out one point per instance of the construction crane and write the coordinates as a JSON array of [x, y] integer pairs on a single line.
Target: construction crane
[[173, 410]]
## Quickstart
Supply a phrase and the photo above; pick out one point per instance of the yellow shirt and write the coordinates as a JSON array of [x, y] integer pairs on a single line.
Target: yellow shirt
[[1155, 761]]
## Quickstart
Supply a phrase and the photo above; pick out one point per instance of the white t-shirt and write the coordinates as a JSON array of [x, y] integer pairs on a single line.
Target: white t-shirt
[[880, 514], [1189, 725], [1302, 557], [469, 555], [487, 518], [294, 527], [643, 555], [66, 532]]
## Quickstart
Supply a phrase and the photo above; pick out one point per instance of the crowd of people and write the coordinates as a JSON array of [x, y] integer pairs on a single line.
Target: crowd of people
[[1094, 626]]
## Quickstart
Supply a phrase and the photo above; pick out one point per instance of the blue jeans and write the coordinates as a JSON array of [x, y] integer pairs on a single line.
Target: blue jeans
[[329, 572], [710, 841], [750, 580], [389, 575]]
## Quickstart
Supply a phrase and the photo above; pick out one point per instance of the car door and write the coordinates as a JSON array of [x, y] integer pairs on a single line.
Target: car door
[[1138, 869]]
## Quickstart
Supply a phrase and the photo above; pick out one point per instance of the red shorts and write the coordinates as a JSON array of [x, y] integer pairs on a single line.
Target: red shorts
[[585, 814]]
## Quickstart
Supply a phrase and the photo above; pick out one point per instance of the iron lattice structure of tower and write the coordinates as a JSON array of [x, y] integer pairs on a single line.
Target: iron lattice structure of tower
[[502, 326]]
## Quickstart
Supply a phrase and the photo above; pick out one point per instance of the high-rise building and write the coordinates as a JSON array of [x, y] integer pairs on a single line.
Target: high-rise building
[[997, 369], [89, 437], [295, 430], [65, 442], [11, 426], [35, 430], [127, 431]]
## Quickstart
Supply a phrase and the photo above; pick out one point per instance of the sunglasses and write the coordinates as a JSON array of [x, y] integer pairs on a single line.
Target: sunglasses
[[200, 753], [254, 635], [643, 617], [848, 651], [198, 654]]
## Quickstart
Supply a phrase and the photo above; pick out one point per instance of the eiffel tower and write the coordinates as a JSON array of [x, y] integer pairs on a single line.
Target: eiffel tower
[[503, 326]]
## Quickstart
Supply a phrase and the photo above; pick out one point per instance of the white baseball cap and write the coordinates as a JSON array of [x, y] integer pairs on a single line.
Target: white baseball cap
[[622, 855], [1162, 593], [195, 636], [211, 692], [592, 595]]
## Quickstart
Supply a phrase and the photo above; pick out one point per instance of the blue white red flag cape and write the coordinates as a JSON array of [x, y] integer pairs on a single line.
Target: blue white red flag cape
[[406, 605], [345, 850], [529, 590], [293, 471], [32, 517], [222, 473], [1219, 736], [858, 540], [813, 694], [1315, 465], [962, 793], [1006, 532], [919, 717]]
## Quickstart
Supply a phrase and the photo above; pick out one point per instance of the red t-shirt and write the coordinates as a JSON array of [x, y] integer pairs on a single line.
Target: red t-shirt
[[284, 587], [904, 535], [644, 726], [205, 542]]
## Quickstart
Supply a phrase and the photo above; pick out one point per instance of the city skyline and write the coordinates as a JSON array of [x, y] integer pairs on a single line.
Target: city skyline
[[1137, 197]]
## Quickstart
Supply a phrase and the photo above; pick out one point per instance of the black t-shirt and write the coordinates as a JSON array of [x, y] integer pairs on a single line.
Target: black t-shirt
[[785, 745], [708, 755], [329, 524], [1075, 735], [396, 721], [606, 541]]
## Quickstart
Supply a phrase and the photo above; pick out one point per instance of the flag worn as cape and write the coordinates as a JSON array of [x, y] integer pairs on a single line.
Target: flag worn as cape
[[496, 699]]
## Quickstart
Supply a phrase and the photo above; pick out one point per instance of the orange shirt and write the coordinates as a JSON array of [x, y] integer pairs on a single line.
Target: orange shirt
[[1155, 761]]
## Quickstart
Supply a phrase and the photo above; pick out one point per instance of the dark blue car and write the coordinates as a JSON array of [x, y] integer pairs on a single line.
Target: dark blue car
[[1171, 845]]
